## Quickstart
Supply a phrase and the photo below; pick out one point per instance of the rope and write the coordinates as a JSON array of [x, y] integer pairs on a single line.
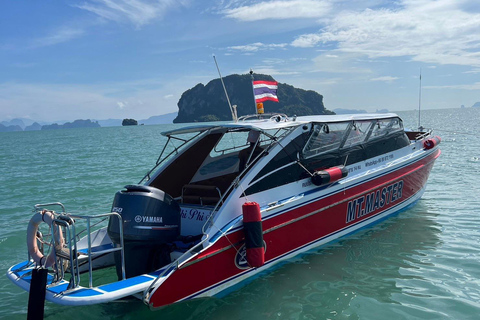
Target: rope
[[224, 234], [304, 168]]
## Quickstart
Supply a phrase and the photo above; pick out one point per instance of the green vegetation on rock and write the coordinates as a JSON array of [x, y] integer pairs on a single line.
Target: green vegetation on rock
[[129, 122], [208, 102]]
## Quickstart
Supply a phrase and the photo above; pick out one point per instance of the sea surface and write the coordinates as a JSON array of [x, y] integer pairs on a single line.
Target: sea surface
[[423, 263]]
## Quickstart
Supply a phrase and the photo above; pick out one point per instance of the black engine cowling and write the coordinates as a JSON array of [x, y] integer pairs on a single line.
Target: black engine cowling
[[151, 219]]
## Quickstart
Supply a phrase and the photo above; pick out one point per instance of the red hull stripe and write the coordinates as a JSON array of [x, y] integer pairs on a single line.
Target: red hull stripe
[[272, 261], [299, 227]]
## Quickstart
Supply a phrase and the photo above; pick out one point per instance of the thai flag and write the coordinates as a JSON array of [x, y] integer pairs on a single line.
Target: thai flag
[[265, 90]]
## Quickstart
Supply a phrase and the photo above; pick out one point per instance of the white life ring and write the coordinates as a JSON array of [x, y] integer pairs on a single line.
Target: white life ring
[[47, 217]]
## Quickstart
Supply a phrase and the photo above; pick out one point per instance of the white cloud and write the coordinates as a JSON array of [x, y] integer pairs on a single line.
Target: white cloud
[[137, 12], [438, 32], [258, 46], [388, 79], [63, 34], [339, 63], [279, 10], [474, 71], [473, 86], [329, 82], [121, 105], [307, 40], [273, 71]]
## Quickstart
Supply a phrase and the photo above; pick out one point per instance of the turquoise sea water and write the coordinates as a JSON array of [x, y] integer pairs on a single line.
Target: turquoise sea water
[[421, 264]]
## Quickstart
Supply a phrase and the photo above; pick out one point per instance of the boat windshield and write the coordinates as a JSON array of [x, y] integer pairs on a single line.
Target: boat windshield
[[234, 140], [385, 126], [327, 137], [358, 133], [226, 152]]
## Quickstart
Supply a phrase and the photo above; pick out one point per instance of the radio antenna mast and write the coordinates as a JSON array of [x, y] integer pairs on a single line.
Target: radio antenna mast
[[419, 99], [234, 116]]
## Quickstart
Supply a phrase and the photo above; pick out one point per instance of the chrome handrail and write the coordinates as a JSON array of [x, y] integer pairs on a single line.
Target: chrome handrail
[[65, 222]]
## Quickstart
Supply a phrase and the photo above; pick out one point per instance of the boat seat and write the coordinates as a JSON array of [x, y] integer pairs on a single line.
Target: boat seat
[[200, 194]]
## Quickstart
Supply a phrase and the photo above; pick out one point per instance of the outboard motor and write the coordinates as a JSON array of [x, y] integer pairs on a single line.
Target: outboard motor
[[151, 220]]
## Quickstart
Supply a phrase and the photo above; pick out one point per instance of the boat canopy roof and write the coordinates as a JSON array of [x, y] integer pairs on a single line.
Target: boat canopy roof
[[281, 123]]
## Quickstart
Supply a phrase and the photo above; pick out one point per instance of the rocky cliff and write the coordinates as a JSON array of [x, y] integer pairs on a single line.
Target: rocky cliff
[[208, 102]]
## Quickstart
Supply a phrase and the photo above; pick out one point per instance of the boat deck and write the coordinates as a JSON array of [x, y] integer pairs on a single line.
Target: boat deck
[[21, 275]]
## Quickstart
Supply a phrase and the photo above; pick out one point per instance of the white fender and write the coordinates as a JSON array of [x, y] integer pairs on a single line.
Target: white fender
[[37, 218]]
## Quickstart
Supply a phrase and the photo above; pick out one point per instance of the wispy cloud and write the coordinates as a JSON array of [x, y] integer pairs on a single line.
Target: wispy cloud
[[121, 105], [279, 10], [339, 62], [307, 40], [474, 71], [257, 46], [388, 79], [439, 32], [273, 71], [60, 35], [473, 86], [137, 12]]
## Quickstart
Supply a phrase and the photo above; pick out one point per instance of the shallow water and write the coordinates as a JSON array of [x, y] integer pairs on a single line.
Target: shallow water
[[422, 263]]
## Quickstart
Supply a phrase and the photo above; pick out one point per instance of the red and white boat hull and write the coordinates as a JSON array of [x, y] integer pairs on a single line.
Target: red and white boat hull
[[312, 220]]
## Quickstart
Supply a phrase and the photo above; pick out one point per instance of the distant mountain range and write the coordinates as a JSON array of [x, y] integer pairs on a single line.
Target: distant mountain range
[[19, 125], [162, 119], [353, 111], [69, 125], [24, 124]]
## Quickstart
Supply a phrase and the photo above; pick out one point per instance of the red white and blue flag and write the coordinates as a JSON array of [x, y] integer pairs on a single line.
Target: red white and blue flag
[[265, 90]]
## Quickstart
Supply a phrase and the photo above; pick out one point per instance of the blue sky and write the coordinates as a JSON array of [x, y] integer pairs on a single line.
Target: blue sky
[[99, 59]]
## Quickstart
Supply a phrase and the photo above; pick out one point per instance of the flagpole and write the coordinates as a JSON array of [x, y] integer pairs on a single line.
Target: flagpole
[[253, 91]]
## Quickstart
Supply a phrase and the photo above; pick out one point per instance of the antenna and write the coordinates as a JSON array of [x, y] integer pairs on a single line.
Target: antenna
[[253, 90], [234, 117], [419, 99]]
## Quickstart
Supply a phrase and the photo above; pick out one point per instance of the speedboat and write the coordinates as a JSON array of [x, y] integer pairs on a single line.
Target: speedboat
[[225, 202]]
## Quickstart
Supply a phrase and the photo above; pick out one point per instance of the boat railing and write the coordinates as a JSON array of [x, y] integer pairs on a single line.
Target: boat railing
[[68, 223], [66, 253], [38, 207], [277, 117], [420, 134]]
